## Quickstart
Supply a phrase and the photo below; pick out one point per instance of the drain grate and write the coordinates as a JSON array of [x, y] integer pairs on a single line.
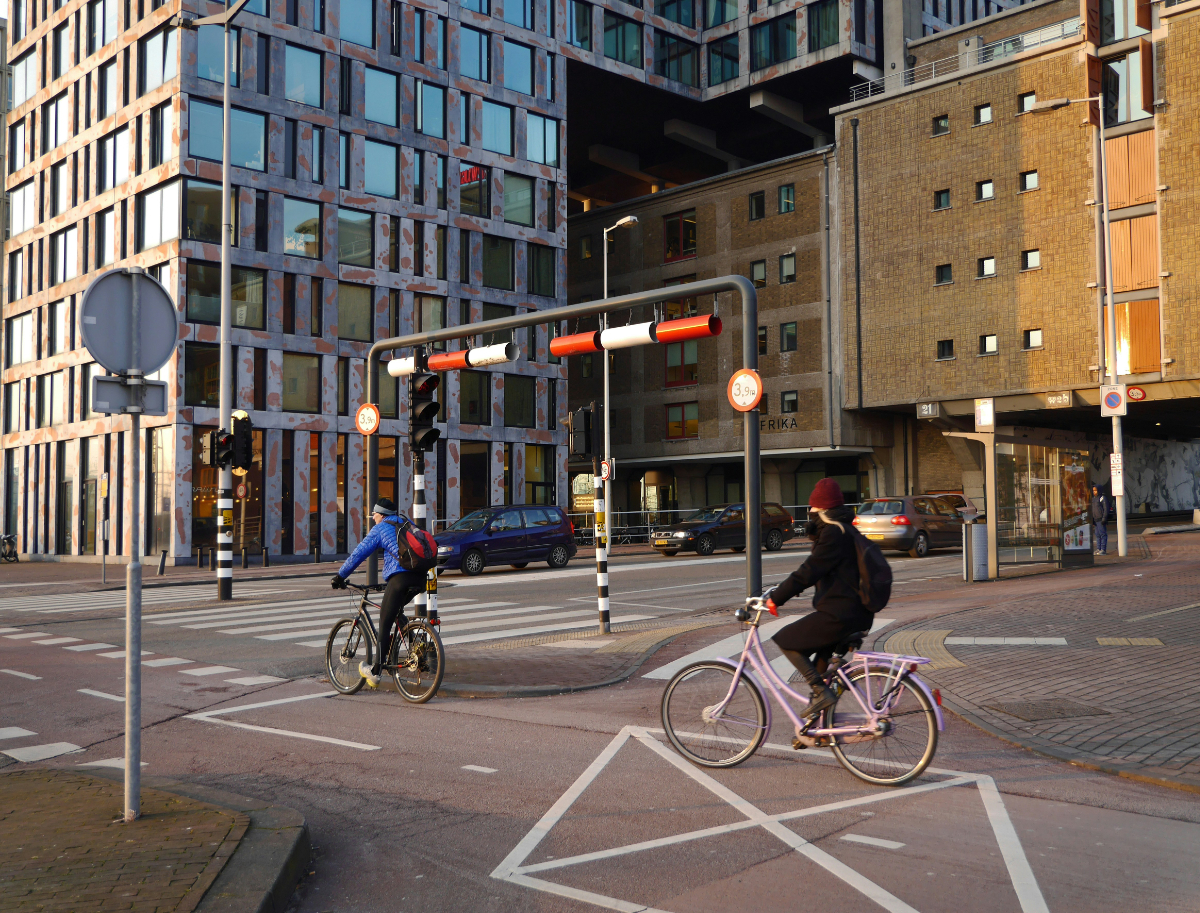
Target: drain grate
[[1036, 711]]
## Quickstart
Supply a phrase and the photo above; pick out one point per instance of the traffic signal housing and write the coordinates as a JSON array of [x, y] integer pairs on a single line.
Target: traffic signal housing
[[584, 432], [224, 447], [243, 443], [208, 448], [423, 409]]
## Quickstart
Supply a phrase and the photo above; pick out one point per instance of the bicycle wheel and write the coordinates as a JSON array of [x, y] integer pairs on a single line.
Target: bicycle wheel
[[418, 660], [909, 737], [721, 741], [348, 644]]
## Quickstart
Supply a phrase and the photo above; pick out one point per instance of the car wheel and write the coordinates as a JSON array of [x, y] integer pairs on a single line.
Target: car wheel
[[774, 540], [559, 556], [523, 564], [670, 553], [921, 547], [738, 548], [705, 545], [473, 563]]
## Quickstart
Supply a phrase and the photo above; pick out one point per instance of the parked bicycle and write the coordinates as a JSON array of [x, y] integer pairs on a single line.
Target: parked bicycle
[[416, 661], [883, 728], [8, 547]]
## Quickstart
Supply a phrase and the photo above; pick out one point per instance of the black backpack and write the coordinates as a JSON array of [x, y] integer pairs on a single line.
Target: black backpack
[[418, 550], [874, 573]]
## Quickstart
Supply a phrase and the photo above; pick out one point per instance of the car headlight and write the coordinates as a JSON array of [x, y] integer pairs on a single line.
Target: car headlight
[[445, 549], [681, 535]]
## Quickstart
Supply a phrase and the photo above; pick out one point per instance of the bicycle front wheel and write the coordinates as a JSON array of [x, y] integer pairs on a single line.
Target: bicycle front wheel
[[418, 660], [704, 734], [348, 645], [908, 736]]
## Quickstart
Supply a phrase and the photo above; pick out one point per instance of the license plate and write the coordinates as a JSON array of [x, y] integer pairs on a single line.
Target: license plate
[[875, 538], [662, 542]]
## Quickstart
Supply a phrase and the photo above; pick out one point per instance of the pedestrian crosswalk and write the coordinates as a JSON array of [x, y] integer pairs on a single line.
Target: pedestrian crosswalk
[[306, 623], [45, 604]]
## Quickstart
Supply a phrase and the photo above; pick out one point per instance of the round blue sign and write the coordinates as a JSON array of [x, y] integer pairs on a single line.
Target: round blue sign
[[1112, 400]]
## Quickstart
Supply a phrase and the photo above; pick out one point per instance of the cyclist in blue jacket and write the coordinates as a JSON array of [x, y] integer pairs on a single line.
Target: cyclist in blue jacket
[[401, 587]]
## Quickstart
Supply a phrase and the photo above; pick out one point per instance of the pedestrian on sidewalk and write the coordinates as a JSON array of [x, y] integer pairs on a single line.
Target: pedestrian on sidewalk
[[1099, 514]]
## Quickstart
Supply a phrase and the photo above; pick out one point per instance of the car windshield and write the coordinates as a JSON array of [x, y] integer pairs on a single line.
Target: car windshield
[[471, 523], [884, 508], [704, 515]]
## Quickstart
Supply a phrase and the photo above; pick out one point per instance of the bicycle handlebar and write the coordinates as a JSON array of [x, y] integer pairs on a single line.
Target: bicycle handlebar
[[368, 588]]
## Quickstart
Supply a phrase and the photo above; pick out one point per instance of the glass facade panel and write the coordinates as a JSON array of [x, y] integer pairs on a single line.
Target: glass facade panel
[[354, 238], [382, 170], [247, 288], [301, 228], [247, 135], [380, 97], [518, 199], [301, 382], [302, 76], [210, 53], [356, 314], [202, 374], [357, 23]]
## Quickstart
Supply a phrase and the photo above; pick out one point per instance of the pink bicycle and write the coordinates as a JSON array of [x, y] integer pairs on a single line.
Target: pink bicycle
[[883, 729]]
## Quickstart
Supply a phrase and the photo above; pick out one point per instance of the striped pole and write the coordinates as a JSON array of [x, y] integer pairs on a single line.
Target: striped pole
[[601, 548], [225, 536], [418, 514]]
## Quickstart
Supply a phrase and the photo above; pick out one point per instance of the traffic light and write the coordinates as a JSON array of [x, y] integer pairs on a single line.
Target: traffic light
[[243, 442], [423, 409], [208, 448], [224, 447], [584, 431]]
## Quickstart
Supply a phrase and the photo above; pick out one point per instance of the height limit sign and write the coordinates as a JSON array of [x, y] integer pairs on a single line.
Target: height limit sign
[[1112, 400]]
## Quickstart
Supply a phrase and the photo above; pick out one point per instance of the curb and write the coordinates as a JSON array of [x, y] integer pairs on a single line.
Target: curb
[[269, 862]]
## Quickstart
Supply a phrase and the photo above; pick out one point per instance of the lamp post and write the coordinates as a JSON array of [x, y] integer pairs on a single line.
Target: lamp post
[[627, 222], [225, 484], [1110, 324]]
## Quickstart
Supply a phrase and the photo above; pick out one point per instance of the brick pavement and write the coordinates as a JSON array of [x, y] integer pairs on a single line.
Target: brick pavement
[[62, 849], [1129, 709]]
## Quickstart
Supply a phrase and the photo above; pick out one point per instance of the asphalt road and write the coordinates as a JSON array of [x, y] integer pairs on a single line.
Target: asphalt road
[[574, 802]]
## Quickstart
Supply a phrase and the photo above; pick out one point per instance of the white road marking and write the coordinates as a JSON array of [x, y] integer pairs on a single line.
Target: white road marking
[[1006, 641], [6, 630], [209, 716], [210, 670], [103, 694], [27, 635], [873, 841], [58, 640], [14, 732], [1024, 882], [82, 647], [478, 769], [119, 654], [539, 629], [166, 661], [299, 631], [255, 680], [32, 678], [1182, 608], [31, 753], [118, 763]]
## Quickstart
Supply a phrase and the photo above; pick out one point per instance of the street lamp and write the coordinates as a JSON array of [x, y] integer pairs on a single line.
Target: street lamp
[[626, 222], [225, 485], [1110, 328]]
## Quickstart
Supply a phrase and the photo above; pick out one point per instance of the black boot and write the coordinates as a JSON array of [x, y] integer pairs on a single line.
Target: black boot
[[822, 697]]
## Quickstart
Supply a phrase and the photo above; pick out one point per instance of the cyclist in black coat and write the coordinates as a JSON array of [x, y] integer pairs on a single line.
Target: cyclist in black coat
[[832, 568]]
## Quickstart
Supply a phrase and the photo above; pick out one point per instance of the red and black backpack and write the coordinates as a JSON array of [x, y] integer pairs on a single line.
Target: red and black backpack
[[417, 548]]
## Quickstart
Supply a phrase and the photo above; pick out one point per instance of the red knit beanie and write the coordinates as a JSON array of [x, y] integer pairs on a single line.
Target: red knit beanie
[[826, 494]]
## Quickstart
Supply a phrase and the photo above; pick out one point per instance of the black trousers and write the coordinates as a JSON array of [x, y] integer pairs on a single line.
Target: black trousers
[[819, 633], [400, 590]]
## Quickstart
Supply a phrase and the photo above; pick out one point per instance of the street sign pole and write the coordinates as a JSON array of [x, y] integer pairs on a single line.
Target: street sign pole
[[600, 512], [133, 583], [225, 483]]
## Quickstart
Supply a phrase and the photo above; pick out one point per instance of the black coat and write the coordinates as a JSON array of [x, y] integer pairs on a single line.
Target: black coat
[[1099, 508], [833, 569]]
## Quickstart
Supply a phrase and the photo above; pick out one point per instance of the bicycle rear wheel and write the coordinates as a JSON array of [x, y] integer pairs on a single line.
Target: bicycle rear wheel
[[704, 738], [909, 738], [348, 645], [418, 660]]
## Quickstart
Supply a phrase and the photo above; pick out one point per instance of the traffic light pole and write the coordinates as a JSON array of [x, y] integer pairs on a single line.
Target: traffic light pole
[[600, 510]]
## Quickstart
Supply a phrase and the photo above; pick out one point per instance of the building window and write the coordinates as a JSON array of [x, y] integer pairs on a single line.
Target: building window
[[1029, 181], [676, 59], [722, 60], [787, 337], [497, 128], [822, 25], [343, 160], [1032, 339], [497, 262], [983, 115], [762, 340], [622, 40], [106, 91], [60, 188], [473, 54], [112, 165], [518, 199], [101, 24], [984, 190], [773, 42], [941, 199], [158, 215], [56, 123], [987, 267], [16, 283], [1119, 20], [474, 397], [473, 183], [18, 337], [585, 366], [944, 274], [683, 363], [789, 402], [541, 140], [1123, 91], [356, 313], [988, 345], [202, 215], [518, 67], [941, 125], [585, 248], [945, 349], [162, 135], [541, 270], [23, 208], [787, 269], [787, 198], [301, 228], [210, 53], [158, 55], [1026, 101], [25, 78], [357, 23], [520, 13], [1031, 259], [717, 12], [106, 237], [381, 95], [758, 205], [679, 236], [301, 382], [247, 135], [683, 421], [758, 273], [302, 76], [247, 287], [579, 25], [354, 238], [202, 374], [382, 170], [520, 401]]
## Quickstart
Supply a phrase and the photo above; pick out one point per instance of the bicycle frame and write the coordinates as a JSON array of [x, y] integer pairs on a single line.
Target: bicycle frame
[[896, 668]]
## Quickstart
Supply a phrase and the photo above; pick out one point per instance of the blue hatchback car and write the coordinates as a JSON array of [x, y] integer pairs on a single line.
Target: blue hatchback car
[[512, 535]]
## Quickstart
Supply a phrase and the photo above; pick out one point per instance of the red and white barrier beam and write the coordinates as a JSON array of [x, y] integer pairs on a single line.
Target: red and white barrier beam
[[499, 354], [688, 328], [578, 344]]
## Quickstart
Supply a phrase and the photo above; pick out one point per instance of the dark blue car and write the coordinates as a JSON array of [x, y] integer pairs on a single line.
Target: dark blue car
[[507, 535]]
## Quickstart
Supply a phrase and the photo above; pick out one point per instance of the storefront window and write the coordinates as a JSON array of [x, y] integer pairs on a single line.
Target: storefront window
[[1043, 503]]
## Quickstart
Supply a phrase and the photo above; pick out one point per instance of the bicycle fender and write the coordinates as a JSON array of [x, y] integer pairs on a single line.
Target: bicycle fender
[[937, 708], [757, 684]]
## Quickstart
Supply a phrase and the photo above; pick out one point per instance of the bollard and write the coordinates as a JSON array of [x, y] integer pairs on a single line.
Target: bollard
[[202, 560], [316, 556], [266, 558], [245, 557], [162, 563], [212, 558]]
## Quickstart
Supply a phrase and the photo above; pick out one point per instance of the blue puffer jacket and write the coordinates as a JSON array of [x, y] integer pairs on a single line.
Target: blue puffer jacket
[[382, 535]]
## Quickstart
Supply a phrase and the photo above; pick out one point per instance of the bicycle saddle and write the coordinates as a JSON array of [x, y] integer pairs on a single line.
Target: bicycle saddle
[[851, 642]]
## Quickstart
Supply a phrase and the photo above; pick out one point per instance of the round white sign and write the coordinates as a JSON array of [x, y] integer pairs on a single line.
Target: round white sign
[[367, 418], [745, 390]]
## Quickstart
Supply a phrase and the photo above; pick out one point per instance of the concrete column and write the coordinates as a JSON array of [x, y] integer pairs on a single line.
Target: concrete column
[[497, 487], [328, 505], [274, 380], [355, 484], [182, 441], [301, 492], [243, 380], [517, 494], [453, 486], [273, 508]]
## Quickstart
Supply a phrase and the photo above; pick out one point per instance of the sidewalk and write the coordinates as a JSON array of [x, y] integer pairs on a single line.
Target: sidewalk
[[62, 849]]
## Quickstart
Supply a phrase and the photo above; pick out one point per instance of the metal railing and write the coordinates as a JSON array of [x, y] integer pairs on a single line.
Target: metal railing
[[975, 57], [633, 527]]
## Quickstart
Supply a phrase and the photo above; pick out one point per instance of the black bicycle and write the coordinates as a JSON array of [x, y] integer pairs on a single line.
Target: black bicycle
[[416, 661]]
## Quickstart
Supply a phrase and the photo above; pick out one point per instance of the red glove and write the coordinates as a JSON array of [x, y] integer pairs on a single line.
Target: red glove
[[771, 607]]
